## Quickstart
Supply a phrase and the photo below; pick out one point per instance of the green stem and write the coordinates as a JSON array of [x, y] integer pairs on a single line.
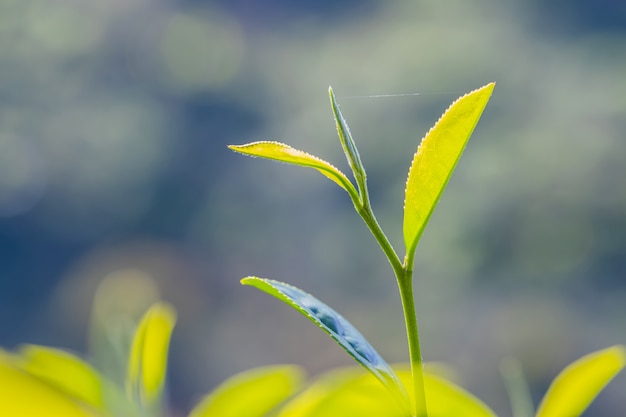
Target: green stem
[[405, 285], [370, 220], [404, 277], [517, 388]]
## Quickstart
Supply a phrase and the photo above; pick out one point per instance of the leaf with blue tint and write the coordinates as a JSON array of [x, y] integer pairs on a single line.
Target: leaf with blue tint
[[284, 153], [347, 143], [337, 327], [578, 384]]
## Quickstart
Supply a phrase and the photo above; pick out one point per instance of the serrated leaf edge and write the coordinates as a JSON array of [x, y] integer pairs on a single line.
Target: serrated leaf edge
[[326, 168], [411, 247]]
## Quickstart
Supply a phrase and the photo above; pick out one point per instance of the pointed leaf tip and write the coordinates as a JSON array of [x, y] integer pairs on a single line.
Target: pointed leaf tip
[[435, 160], [349, 147], [284, 153], [573, 390]]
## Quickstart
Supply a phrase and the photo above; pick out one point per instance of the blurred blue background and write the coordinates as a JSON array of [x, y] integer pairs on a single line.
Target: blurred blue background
[[114, 121]]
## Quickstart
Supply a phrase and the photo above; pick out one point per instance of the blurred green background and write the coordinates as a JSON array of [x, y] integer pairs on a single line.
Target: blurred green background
[[114, 121]]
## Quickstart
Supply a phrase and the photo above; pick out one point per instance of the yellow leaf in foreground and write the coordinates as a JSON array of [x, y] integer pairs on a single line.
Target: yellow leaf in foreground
[[352, 393], [252, 393], [23, 395], [65, 371], [579, 383]]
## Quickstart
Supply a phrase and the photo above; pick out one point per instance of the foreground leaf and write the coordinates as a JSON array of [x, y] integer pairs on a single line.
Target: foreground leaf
[[284, 153], [24, 395], [348, 393], [577, 385], [435, 159], [445, 399], [344, 333], [64, 371], [252, 393], [148, 357], [308, 402]]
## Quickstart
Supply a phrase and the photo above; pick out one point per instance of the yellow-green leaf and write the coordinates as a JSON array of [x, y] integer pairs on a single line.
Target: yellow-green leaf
[[579, 383], [24, 395], [435, 159], [347, 393], [147, 364], [252, 393], [284, 153], [65, 371], [445, 399]]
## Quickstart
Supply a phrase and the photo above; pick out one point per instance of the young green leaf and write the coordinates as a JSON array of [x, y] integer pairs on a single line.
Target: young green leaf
[[337, 327], [434, 161], [148, 357], [348, 145], [579, 383], [285, 153], [252, 393]]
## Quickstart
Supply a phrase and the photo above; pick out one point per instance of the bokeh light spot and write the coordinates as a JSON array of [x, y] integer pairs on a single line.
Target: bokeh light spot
[[201, 53], [22, 179], [62, 29]]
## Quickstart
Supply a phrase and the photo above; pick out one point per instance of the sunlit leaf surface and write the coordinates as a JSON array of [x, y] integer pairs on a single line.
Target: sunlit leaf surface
[[65, 371], [307, 402], [344, 333], [23, 395], [285, 153], [251, 393], [446, 399], [435, 159], [347, 393], [577, 385]]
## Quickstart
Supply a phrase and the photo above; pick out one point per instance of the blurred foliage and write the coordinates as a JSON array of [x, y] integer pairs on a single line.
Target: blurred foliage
[[114, 116]]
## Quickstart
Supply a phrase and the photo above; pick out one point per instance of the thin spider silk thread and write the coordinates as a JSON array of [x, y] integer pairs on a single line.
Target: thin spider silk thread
[[397, 95]]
